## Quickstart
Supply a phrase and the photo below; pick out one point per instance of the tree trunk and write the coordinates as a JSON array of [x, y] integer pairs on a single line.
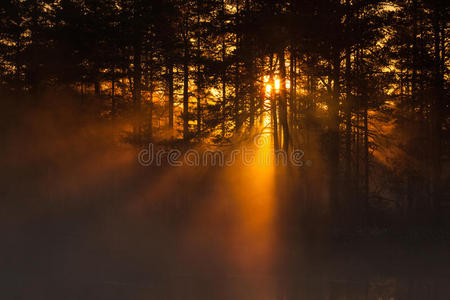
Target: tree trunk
[[137, 74], [348, 114], [252, 94], [224, 84], [292, 87], [437, 109], [113, 93], [366, 160], [283, 101], [348, 128], [273, 107], [186, 92], [333, 135], [171, 96], [151, 90], [199, 75]]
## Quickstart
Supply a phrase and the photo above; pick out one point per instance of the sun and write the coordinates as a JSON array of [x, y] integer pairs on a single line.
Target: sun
[[276, 83]]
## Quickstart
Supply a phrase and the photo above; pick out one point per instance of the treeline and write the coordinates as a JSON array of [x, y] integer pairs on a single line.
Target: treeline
[[369, 78]]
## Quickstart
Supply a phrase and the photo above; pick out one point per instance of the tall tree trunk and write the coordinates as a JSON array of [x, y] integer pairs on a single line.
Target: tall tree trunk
[[224, 79], [292, 87], [273, 106], [357, 154], [170, 83], [224, 103], [199, 75], [199, 105], [137, 74], [283, 101], [414, 54], [97, 89], [348, 112], [333, 134], [366, 160], [348, 127], [151, 90], [113, 93], [137, 87], [252, 92], [251, 78], [186, 91], [437, 109], [32, 74]]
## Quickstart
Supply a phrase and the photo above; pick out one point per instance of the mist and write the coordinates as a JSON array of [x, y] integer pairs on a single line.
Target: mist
[[182, 149]]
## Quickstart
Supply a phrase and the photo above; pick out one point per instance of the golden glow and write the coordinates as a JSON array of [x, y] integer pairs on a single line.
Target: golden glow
[[277, 84], [322, 106], [215, 93], [255, 208], [390, 103]]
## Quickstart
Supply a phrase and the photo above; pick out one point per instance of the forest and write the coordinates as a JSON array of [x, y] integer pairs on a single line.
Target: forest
[[360, 88]]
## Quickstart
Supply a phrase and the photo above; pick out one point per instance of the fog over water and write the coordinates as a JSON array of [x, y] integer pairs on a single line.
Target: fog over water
[[81, 219]]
